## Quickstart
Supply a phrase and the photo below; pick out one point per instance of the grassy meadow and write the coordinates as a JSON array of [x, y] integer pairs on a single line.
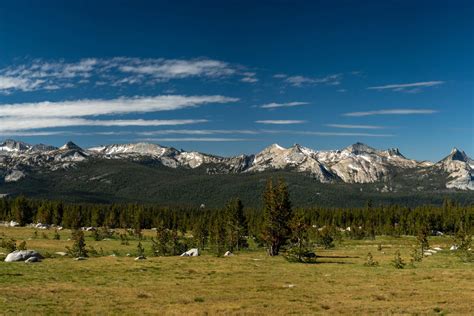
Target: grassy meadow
[[248, 283]]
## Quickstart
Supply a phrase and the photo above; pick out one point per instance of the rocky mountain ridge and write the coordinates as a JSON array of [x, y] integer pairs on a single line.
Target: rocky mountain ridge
[[358, 163]]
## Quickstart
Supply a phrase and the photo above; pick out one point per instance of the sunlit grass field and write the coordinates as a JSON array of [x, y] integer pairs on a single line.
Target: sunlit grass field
[[248, 283]]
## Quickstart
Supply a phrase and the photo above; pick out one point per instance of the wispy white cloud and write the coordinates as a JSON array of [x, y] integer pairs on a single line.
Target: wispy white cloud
[[249, 79], [348, 126], [280, 122], [392, 112], [407, 87], [10, 124], [344, 134], [41, 74], [197, 139], [32, 133], [174, 68], [193, 132], [78, 108], [281, 105], [299, 81], [40, 115], [197, 132], [256, 132]]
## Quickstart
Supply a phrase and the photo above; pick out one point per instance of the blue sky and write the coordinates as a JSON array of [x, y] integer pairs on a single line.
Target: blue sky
[[231, 77]]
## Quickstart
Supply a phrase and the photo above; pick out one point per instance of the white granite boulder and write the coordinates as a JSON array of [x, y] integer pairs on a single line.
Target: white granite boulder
[[194, 252], [22, 255]]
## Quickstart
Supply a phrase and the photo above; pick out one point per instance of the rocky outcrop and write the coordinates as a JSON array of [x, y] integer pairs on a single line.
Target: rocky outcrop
[[23, 255]]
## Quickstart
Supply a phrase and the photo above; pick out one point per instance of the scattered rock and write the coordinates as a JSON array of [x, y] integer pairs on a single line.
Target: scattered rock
[[228, 254], [128, 255], [88, 229], [427, 253], [32, 259], [80, 258], [22, 255], [438, 248], [194, 252], [453, 247], [41, 226], [13, 224], [61, 253], [140, 258]]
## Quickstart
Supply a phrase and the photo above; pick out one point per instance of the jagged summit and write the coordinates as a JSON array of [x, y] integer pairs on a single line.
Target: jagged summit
[[12, 145], [70, 146], [359, 148], [394, 152], [457, 154]]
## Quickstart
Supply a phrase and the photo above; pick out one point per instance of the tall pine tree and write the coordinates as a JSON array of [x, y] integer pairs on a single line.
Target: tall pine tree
[[277, 215]]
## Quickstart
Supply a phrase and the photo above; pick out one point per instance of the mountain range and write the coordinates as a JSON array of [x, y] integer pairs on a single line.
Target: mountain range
[[387, 170]]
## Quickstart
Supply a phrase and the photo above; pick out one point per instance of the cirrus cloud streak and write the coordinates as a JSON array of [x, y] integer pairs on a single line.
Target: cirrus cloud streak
[[409, 87], [280, 122], [86, 107], [392, 112], [282, 105], [13, 124]]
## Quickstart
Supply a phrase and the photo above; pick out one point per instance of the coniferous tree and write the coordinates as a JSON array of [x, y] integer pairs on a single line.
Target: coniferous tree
[[300, 250], [422, 238], [326, 237], [44, 214], [218, 234], [78, 248], [163, 239], [398, 262], [277, 214], [370, 262], [416, 255], [140, 250], [58, 211], [21, 211], [235, 224], [200, 233]]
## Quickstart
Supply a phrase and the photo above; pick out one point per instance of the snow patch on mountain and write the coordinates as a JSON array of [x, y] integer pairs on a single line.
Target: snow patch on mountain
[[137, 149]]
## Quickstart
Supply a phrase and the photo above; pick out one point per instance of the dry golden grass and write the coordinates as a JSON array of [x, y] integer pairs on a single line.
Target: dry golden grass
[[248, 283]]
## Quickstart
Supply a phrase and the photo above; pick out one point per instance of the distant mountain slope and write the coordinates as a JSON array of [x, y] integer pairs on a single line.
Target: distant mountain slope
[[107, 172], [148, 181]]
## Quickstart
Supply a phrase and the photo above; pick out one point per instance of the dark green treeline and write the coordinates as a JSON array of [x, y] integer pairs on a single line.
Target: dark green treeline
[[386, 220]]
